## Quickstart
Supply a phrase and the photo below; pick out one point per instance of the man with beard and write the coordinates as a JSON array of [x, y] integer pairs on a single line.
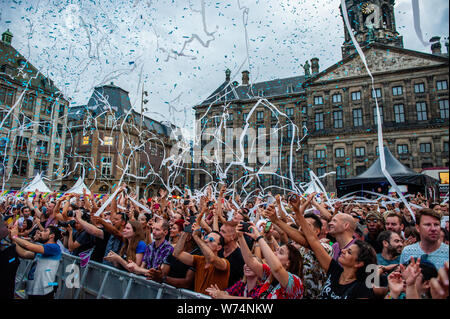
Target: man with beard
[[392, 248], [375, 227], [430, 247], [41, 278], [393, 221]]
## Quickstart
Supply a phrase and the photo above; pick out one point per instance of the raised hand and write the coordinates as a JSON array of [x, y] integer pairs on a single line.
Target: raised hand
[[395, 283], [410, 273]]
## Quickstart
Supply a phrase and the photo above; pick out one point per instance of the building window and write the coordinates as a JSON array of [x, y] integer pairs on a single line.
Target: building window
[[7, 121], [40, 167], [44, 129], [22, 144], [443, 109], [230, 117], [42, 147], [321, 171], [375, 118], [109, 140], [421, 108], [425, 148], [402, 149], [57, 149], [341, 172], [59, 130], [357, 117], [356, 96], [261, 92], [61, 110], [337, 98], [304, 110], [3, 145], [110, 120], [289, 131], [338, 119], [399, 113], [340, 153], [397, 90], [6, 96], [445, 147], [319, 121], [318, 100], [441, 85], [260, 116], [360, 151], [28, 102], [3, 164], [106, 166], [290, 88], [20, 167], [321, 154], [419, 88], [244, 117], [376, 93], [289, 112], [46, 106], [360, 170], [86, 140]]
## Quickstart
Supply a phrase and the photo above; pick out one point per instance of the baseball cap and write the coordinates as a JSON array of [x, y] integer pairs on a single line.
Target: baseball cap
[[373, 215]]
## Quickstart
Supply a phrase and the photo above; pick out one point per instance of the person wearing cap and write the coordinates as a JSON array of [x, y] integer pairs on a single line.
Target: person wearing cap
[[375, 227], [428, 224]]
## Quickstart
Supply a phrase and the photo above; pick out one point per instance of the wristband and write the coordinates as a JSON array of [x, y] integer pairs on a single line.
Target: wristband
[[258, 238]]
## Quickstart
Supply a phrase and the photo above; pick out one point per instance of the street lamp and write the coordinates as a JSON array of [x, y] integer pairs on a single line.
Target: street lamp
[[143, 101]]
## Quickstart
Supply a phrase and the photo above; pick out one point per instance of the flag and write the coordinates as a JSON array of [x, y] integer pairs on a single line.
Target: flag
[[85, 257]]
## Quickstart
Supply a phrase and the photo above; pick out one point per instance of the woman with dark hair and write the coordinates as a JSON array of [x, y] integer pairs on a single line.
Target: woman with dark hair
[[281, 275], [346, 276], [133, 248]]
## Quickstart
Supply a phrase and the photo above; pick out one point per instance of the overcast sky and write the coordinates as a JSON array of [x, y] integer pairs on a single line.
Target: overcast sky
[[83, 44]]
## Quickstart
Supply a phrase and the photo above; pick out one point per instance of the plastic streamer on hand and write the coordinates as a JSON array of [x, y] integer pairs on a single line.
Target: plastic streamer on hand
[[379, 126]]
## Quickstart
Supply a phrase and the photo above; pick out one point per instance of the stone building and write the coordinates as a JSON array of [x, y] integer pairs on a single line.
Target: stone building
[[33, 122], [103, 135], [337, 105]]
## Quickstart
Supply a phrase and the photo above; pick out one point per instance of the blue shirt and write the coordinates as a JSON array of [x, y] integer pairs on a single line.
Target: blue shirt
[[437, 257], [385, 262]]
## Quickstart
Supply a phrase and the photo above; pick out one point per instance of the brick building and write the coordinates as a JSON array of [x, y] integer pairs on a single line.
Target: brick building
[[337, 106]]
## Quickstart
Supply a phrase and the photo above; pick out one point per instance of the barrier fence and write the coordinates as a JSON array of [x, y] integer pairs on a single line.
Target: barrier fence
[[99, 281]]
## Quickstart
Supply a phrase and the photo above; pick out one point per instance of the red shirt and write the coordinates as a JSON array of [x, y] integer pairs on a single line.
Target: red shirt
[[294, 289]]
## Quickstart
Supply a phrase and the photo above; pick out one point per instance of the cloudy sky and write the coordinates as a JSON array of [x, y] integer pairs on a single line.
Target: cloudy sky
[[179, 49]]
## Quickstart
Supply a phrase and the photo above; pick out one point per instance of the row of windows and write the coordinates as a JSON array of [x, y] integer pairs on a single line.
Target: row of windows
[[338, 118], [377, 93], [399, 115], [402, 149]]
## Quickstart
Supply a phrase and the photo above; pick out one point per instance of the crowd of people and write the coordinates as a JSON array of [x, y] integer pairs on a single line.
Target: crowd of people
[[288, 246]]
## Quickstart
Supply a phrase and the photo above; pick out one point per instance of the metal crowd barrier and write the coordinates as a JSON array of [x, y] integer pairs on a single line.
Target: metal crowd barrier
[[99, 281]]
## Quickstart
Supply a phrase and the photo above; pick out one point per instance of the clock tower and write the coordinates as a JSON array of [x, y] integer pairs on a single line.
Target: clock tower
[[370, 21]]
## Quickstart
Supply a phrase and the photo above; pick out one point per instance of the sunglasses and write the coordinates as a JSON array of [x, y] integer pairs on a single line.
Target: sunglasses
[[209, 238]]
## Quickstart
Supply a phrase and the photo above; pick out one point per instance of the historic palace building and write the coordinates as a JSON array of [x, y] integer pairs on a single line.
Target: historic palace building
[[335, 111], [107, 135], [33, 122]]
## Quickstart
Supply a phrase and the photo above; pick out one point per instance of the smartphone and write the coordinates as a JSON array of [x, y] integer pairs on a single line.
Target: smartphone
[[188, 228], [266, 230], [245, 227]]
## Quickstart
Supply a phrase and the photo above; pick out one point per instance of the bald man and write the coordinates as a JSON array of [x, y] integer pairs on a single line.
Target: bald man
[[341, 227]]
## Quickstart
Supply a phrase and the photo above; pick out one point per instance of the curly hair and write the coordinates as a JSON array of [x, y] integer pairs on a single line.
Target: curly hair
[[367, 255]]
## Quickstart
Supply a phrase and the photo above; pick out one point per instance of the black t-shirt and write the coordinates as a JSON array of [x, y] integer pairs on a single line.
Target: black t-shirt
[[333, 290], [85, 240], [236, 265], [374, 243], [100, 247], [179, 269], [9, 262]]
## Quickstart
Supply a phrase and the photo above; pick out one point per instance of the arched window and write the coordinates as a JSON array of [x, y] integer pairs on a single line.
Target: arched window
[[103, 189]]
